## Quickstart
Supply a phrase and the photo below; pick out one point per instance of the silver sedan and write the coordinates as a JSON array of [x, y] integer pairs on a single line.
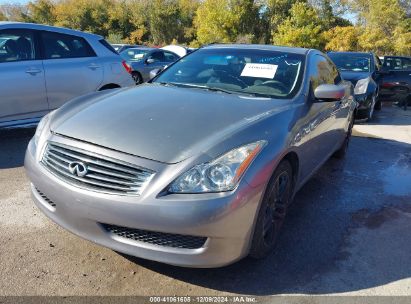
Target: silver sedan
[[42, 67], [198, 167]]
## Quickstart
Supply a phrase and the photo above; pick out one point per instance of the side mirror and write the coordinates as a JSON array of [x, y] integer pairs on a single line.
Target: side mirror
[[150, 61], [154, 73], [329, 92]]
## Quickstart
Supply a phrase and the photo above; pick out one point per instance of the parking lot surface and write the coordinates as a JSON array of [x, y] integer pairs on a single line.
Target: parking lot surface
[[348, 232]]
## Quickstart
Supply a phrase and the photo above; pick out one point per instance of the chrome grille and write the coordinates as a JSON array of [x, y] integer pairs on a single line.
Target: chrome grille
[[104, 174]]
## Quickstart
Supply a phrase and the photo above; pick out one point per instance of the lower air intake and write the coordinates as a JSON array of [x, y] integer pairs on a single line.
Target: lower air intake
[[157, 238]]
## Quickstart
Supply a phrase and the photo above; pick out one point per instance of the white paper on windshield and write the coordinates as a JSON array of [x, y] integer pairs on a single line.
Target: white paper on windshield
[[259, 70], [138, 56]]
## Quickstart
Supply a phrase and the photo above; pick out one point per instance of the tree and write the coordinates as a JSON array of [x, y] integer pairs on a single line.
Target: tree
[[330, 19], [2, 16], [380, 20], [41, 11], [84, 15], [341, 38], [188, 10], [402, 38], [140, 20], [120, 25], [164, 21], [302, 29], [14, 12], [278, 11], [225, 20]]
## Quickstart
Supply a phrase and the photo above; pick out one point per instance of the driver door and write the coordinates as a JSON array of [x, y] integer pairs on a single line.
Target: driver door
[[154, 60], [326, 120]]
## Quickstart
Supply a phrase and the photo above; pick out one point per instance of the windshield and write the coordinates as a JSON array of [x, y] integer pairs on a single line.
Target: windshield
[[243, 71], [395, 63], [134, 54], [351, 62]]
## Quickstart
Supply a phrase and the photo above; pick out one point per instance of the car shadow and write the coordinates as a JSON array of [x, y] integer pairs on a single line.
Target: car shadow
[[315, 253], [13, 144]]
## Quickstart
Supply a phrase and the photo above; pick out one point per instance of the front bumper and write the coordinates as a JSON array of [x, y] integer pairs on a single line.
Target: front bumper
[[364, 102], [226, 220]]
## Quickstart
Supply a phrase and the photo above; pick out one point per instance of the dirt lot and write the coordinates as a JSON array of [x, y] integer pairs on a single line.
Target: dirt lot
[[349, 232]]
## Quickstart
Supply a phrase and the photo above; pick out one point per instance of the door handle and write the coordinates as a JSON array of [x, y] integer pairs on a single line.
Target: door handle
[[93, 66], [33, 71]]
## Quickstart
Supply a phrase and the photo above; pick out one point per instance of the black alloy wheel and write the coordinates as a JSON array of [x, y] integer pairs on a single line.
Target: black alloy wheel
[[273, 210]]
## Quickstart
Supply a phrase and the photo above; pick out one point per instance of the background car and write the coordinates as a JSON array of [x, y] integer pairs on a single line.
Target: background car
[[362, 69], [143, 60], [395, 83], [181, 51], [198, 166], [42, 67], [119, 47]]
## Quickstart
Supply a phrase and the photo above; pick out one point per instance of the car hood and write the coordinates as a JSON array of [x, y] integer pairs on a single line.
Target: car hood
[[353, 77], [166, 124]]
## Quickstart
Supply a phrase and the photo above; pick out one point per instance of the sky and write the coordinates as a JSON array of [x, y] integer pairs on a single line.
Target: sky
[[13, 1]]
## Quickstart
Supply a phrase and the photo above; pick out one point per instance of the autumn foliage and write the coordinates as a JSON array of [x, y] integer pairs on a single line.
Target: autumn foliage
[[383, 26]]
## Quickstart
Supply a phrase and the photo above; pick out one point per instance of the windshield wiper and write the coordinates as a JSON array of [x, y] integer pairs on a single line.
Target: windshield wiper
[[256, 94], [213, 89], [167, 84], [203, 87]]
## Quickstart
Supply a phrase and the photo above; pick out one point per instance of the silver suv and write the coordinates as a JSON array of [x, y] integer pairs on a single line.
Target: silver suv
[[42, 67]]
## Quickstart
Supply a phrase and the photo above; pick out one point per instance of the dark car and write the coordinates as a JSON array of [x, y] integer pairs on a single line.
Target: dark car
[[363, 70], [395, 84], [121, 47], [142, 60], [198, 166]]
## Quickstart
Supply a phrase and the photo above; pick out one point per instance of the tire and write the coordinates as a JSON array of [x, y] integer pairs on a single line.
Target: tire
[[272, 211], [137, 77], [370, 112], [342, 151]]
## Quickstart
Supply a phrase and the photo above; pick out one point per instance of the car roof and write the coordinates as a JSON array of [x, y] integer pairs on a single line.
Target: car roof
[[41, 27], [389, 56], [348, 53], [140, 48], [295, 50]]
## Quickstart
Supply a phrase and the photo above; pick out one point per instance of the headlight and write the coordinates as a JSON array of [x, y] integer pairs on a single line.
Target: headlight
[[361, 86], [43, 122], [221, 174]]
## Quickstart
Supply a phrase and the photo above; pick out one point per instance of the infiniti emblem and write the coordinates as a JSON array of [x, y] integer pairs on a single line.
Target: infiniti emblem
[[78, 168]]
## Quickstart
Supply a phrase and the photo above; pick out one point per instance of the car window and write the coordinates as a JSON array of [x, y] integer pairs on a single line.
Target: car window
[[265, 73], [323, 72], [170, 57], [397, 63], [351, 62], [16, 45], [334, 71], [111, 48], [134, 54], [158, 56], [406, 63], [59, 46]]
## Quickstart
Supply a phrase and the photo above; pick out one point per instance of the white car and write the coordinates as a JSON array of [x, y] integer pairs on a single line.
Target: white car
[[42, 67], [176, 49]]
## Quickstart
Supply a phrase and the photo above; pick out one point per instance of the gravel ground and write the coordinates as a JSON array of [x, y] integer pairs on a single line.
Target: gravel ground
[[348, 232]]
